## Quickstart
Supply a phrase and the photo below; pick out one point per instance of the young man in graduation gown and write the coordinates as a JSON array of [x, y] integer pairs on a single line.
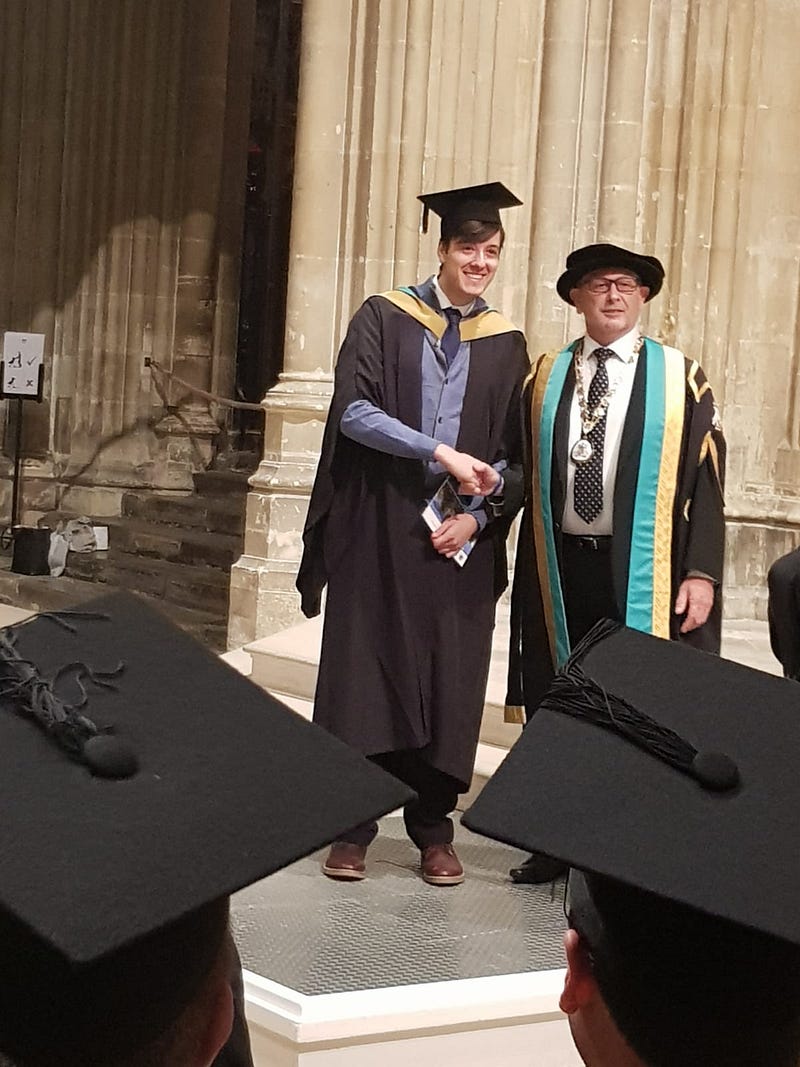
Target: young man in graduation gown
[[624, 509], [427, 386]]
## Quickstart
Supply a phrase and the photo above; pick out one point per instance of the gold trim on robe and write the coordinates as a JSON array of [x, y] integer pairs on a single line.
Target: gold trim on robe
[[417, 309], [709, 448], [674, 394], [698, 392], [542, 376], [514, 713], [486, 323]]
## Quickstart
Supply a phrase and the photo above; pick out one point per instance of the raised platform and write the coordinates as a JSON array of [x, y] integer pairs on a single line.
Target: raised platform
[[390, 969]]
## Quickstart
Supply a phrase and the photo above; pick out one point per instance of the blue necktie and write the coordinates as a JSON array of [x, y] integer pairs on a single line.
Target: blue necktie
[[451, 339]]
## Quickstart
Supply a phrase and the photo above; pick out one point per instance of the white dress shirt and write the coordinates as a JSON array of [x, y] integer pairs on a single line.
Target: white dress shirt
[[621, 370]]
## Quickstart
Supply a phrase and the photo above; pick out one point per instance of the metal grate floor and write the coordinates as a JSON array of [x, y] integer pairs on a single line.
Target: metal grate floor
[[314, 935]]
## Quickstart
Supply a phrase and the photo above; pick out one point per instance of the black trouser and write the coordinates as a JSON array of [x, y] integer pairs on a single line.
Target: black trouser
[[783, 609], [426, 818], [587, 583]]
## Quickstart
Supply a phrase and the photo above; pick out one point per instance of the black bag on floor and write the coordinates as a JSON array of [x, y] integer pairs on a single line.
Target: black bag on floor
[[31, 548]]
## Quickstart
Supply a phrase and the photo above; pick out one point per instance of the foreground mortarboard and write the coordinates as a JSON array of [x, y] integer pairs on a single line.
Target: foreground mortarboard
[[478, 203], [669, 770], [200, 784]]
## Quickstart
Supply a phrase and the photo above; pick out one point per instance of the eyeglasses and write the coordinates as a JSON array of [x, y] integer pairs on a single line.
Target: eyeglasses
[[603, 285]]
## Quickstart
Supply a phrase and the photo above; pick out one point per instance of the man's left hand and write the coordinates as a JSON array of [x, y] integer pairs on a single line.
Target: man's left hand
[[453, 534], [695, 599]]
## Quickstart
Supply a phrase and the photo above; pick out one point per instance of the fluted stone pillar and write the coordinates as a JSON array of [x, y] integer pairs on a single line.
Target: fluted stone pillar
[[262, 582], [123, 139], [208, 41], [664, 127], [379, 103], [761, 402]]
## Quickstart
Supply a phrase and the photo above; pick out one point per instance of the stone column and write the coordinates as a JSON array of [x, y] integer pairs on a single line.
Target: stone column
[[262, 582], [663, 127], [80, 188], [123, 134], [383, 85], [31, 134], [117, 249], [211, 37], [761, 401]]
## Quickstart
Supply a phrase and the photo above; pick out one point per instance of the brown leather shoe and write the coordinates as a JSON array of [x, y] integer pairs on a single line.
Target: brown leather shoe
[[441, 866], [345, 861]]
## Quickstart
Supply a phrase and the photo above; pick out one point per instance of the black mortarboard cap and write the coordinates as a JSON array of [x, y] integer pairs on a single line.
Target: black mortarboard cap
[[583, 261], [211, 784], [666, 769], [476, 203]]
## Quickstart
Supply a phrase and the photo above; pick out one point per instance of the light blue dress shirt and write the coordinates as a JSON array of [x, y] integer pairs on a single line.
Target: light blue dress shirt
[[443, 390]]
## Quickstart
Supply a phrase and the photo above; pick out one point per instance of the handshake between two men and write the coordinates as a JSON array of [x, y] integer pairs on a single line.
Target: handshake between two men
[[475, 478]]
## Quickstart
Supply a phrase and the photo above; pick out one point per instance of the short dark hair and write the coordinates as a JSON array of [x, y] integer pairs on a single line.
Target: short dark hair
[[690, 990], [469, 231]]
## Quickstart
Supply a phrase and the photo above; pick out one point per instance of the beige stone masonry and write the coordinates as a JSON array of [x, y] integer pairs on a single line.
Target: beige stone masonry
[[670, 127], [123, 133]]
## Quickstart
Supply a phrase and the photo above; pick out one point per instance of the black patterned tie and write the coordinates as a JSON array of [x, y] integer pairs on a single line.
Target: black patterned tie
[[588, 487], [451, 338]]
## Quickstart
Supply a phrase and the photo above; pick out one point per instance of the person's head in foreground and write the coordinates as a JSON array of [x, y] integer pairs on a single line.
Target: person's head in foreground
[[472, 237], [129, 821], [663, 776], [609, 286], [653, 982]]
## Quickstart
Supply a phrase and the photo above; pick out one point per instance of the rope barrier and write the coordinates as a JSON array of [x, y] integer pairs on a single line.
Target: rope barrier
[[241, 405]]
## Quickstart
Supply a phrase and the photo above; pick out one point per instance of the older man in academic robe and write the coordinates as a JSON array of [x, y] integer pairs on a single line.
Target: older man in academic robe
[[624, 507]]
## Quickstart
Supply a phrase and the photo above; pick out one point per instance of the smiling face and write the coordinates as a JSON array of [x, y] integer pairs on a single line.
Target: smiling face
[[467, 267], [612, 313]]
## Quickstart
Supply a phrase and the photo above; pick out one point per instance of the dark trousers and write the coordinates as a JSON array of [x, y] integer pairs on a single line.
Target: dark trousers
[[236, 1050], [783, 609], [587, 583], [426, 818]]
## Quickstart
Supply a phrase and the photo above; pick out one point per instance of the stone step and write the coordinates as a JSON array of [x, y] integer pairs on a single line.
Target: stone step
[[213, 514], [43, 593], [206, 628], [174, 543], [202, 587], [221, 483], [286, 664]]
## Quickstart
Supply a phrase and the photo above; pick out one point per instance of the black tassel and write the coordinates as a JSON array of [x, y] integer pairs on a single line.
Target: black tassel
[[575, 694], [24, 690]]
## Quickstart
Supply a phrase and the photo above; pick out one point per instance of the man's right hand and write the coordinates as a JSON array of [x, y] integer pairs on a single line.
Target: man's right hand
[[454, 533], [474, 477]]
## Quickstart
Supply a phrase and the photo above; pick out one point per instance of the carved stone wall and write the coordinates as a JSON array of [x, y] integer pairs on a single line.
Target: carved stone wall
[[667, 127], [123, 134]]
